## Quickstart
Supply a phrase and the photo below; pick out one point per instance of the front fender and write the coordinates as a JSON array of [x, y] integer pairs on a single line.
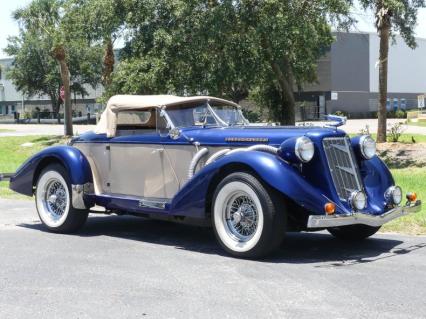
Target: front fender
[[71, 158], [377, 179], [191, 199]]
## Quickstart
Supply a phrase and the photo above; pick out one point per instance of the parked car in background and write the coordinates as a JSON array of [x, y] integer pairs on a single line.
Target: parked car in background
[[198, 160]]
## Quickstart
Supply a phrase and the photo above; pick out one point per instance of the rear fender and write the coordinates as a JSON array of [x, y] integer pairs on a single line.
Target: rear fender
[[25, 178], [286, 179]]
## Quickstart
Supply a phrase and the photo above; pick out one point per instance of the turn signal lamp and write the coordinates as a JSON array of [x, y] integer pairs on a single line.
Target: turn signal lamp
[[329, 208], [411, 197]]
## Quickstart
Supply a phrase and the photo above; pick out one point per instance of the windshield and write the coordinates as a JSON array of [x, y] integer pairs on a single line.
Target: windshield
[[229, 114], [205, 115]]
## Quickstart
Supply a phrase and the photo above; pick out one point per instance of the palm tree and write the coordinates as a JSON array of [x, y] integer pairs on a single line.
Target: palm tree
[[44, 19], [391, 16]]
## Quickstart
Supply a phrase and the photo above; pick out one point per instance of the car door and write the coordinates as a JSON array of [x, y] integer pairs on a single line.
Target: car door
[[98, 156], [139, 166]]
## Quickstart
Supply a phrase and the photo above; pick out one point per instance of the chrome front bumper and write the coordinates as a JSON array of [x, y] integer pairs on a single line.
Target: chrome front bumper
[[325, 221]]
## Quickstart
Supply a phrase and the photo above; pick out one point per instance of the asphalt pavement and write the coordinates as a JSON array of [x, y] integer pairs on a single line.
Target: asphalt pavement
[[129, 267]]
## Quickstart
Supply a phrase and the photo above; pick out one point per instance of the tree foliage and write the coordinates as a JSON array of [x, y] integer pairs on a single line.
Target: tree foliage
[[226, 48], [35, 72], [50, 52]]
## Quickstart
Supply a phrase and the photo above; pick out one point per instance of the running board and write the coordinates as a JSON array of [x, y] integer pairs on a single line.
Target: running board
[[130, 203]]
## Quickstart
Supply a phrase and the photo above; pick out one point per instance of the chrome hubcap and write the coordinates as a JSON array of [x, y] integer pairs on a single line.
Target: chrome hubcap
[[241, 216], [55, 200], [52, 198]]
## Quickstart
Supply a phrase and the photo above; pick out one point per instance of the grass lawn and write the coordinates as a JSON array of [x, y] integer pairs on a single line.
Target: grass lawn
[[15, 150], [410, 179], [423, 124], [2, 130]]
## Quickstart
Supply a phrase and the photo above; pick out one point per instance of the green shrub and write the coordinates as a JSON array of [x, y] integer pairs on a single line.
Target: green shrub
[[400, 114], [395, 132], [251, 116]]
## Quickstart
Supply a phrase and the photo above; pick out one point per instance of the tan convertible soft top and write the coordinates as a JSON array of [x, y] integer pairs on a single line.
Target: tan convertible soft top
[[108, 122]]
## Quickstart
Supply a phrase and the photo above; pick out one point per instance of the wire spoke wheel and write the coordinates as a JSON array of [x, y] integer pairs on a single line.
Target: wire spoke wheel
[[241, 215], [245, 218], [55, 198]]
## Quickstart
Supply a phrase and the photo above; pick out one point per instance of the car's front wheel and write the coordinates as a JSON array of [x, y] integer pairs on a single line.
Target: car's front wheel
[[353, 232], [53, 201], [248, 217]]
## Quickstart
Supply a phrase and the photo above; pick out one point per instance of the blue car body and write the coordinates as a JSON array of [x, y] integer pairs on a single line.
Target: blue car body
[[308, 186]]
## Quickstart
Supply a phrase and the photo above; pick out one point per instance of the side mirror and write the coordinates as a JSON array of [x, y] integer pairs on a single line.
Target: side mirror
[[174, 133]]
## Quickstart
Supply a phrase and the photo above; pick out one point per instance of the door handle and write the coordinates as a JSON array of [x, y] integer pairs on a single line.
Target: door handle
[[159, 150]]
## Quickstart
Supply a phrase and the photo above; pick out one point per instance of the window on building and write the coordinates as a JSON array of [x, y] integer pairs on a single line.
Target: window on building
[[395, 104], [388, 105]]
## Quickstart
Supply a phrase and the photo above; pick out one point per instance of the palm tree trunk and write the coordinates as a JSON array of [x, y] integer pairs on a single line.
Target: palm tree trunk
[[108, 62], [383, 24], [383, 84], [59, 54]]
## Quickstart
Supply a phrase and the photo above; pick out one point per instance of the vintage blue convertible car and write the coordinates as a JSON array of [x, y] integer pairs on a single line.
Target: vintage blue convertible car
[[198, 160]]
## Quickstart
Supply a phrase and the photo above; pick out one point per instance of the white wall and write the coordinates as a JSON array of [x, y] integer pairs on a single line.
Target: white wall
[[407, 67], [9, 92]]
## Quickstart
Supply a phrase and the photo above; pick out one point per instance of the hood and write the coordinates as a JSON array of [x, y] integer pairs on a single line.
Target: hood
[[250, 135]]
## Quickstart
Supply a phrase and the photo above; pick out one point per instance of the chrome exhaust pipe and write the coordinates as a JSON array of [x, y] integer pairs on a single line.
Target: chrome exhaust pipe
[[5, 176]]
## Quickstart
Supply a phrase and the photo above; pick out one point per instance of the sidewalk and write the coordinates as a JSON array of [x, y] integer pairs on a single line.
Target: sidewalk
[[352, 126]]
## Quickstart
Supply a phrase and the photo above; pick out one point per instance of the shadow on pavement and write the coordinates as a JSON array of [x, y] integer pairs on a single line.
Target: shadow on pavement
[[297, 247]]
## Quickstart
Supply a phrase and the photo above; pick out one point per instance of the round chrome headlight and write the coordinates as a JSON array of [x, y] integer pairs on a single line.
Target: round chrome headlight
[[394, 195], [367, 146], [304, 149], [358, 200]]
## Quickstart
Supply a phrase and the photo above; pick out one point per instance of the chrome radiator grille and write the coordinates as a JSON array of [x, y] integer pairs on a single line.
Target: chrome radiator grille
[[342, 164]]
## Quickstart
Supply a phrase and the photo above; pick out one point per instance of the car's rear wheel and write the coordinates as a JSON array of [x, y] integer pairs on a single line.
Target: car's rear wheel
[[248, 217], [353, 232], [53, 201]]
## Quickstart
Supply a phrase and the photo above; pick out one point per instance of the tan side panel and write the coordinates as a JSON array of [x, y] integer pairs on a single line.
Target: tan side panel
[[141, 170], [98, 158], [180, 157]]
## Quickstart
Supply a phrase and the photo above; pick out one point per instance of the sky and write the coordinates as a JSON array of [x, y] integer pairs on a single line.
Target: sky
[[9, 27]]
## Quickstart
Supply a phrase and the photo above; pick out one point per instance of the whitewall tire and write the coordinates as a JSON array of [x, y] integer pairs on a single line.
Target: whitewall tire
[[53, 201], [248, 217]]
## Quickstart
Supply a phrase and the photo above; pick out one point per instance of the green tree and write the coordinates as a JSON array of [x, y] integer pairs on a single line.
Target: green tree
[[103, 22], [391, 16], [35, 71], [291, 36], [226, 48], [48, 22]]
